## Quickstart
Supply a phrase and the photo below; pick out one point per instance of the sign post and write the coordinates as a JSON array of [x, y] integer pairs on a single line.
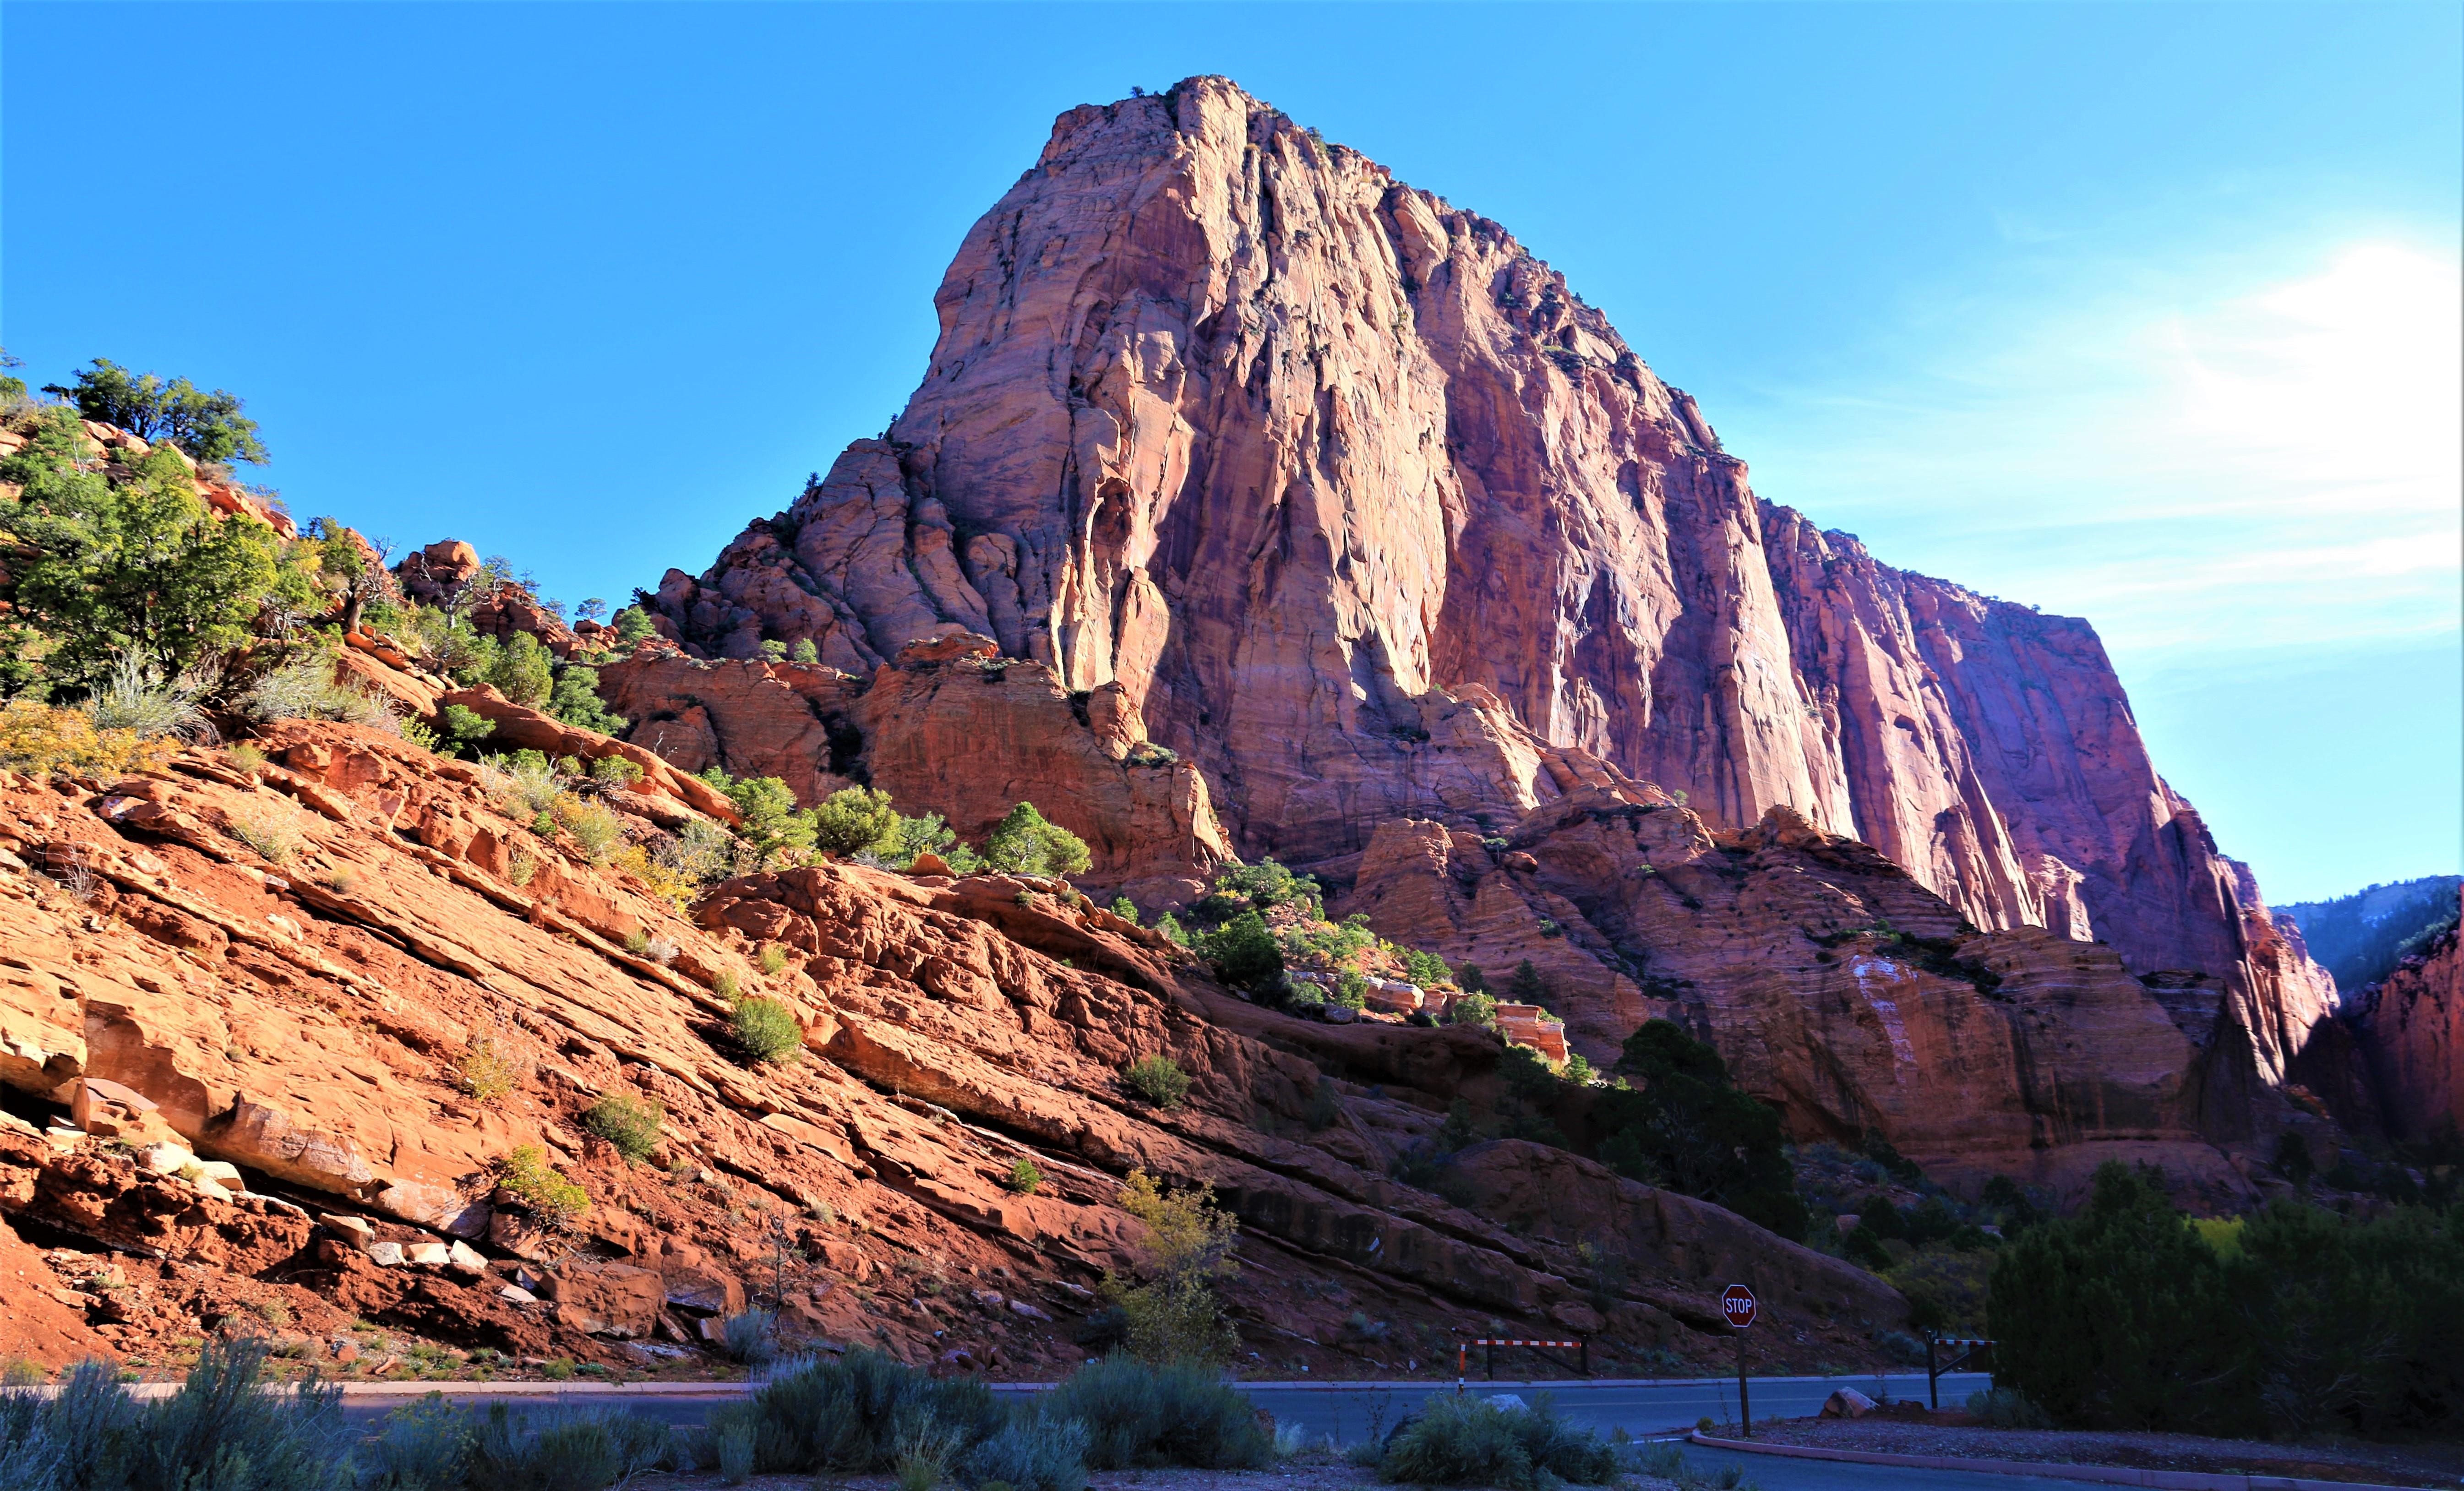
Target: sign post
[[1737, 1304]]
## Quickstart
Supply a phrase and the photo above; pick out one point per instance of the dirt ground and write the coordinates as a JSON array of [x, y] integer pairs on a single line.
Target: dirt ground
[[1909, 1430]]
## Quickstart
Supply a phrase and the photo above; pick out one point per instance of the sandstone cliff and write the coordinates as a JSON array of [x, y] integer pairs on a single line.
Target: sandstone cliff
[[1360, 509], [244, 999], [2410, 1029]]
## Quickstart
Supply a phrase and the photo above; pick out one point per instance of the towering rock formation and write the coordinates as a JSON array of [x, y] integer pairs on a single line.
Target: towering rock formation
[[1366, 515]]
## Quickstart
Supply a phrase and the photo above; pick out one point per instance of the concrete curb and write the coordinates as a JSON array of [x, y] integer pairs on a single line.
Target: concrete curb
[[2108, 1475]]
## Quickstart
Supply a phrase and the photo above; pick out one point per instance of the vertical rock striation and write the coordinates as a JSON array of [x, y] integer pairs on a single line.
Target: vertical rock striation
[[1363, 512]]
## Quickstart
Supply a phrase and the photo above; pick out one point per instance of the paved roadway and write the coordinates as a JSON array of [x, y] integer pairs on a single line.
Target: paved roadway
[[1344, 1411], [1774, 1473]]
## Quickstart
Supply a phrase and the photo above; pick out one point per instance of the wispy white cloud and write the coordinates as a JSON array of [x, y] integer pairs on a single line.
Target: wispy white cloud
[[2204, 466]]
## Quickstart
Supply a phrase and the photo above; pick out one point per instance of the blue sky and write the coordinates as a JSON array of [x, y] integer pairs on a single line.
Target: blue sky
[[2145, 313]]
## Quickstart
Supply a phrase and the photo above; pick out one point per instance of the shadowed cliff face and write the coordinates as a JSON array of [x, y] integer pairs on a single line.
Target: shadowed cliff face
[[1367, 515]]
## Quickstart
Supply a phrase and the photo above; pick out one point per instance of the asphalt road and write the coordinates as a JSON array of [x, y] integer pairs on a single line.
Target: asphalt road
[[1345, 1411], [1772, 1473]]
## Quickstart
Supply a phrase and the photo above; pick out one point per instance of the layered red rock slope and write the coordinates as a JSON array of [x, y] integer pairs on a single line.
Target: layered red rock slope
[[2410, 1029], [234, 1098], [1354, 504]]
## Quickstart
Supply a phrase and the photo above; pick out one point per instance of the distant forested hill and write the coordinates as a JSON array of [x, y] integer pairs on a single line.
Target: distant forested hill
[[2358, 937]]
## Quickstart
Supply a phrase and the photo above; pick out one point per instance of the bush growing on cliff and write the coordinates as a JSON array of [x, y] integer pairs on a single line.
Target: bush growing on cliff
[[853, 819], [1158, 1079], [767, 1030], [1025, 843], [1244, 954], [530, 1182], [1686, 1126], [633, 625], [575, 700], [630, 1123], [770, 822]]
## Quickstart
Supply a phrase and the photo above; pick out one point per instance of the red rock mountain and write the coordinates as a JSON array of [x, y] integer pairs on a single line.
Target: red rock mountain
[[1338, 492], [246, 1003]]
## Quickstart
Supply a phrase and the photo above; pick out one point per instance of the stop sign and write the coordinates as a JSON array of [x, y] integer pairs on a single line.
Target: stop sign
[[1738, 1305]]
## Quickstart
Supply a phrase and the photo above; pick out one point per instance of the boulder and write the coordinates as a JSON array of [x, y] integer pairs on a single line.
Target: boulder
[[1847, 1403]]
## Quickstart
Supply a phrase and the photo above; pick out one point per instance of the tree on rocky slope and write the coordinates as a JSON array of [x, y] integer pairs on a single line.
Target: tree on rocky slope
[[209, 426], [128, 561], [1024, 843], [1683, 1125]]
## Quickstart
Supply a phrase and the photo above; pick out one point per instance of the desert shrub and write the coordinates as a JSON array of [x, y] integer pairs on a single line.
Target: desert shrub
[[595, 830], [629, 1123], [460, 728], [488, 1070], [1025, 843], [1035, 1450], [1424, 968], [2357, 1317], [1158, 1079], [520, 865], [519, 668], [1243, 953], [1138, 1415], [551, 1198], [133, 696], [769, 821], [421, 1446], [1350, 990], [525, 783], [803, 652], [772, 959], [2119, 1316], [615, 771], [1946, 1288], [1170, 926], [83, 1436], [1262, 888], [565, 1450], [1472, 1007], [2007, 1408], [226, 1427], [575, 700], [732, 1447], [1174, 1313], [767, 1030], [305, 688], [929, 834], [1686, 1126], [633, 625], [851, 1413], [726, 985], [1465, 1441], [748, 1337], [271, 829], [35, 739], [1024, 1178], [852, 820]]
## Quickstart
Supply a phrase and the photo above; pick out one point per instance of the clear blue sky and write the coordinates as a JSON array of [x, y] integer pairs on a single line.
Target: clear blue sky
[[2144, 312]]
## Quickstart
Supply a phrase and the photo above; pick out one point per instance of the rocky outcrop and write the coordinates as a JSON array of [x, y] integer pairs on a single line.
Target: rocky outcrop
[[449, 574], [346, 982], [949, 726], [2410, 1029], [1364, 512], [1842, 992]]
